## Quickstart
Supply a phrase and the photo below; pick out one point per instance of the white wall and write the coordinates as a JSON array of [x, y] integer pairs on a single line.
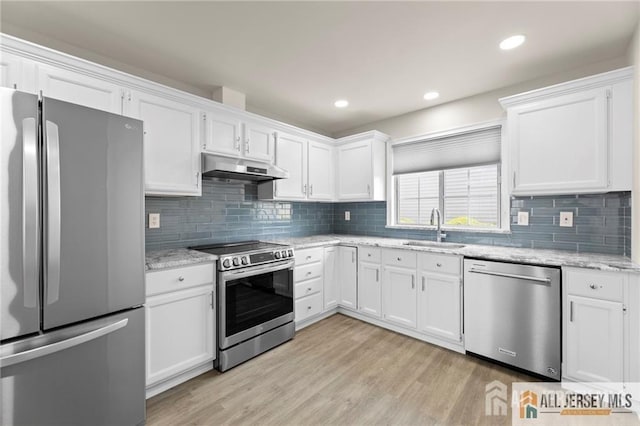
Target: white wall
[[634, 55], [474, 109]]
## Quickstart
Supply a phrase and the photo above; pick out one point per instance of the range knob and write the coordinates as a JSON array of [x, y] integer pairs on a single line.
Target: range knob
[[244, 260], [226, 263], [284, 254], [277, 255], [290, 253], [236, 262]]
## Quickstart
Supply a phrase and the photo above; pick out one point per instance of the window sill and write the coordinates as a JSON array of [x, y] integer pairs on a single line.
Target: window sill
[[451, 229]]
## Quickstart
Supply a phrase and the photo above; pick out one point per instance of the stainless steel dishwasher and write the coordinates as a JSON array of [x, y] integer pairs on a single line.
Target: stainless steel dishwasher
[[512, 314]]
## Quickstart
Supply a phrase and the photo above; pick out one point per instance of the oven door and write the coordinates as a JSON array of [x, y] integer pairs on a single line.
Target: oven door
[[254, 300]]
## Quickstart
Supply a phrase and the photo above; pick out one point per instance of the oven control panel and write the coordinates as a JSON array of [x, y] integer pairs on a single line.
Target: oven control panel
[[252, 259]]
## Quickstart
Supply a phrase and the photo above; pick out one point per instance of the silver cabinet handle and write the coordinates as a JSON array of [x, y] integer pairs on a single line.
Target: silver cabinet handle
[[309, 273], [212, 299], [311, 189], [181, 278], [399, 259], [438, 265], [309, 257], [519, 277], [308, 307], [30, 221], [53, 212], [593, 287], [237, 143], [413, 282], [369, 254], [304, 189], [377, 275], [571, 311], [514, 179], [197, 179], [422, 283], [309, 289], [368, 189], [41, 351], [247, 144]]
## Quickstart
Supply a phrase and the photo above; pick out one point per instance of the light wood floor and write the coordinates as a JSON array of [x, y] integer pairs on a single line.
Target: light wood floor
[[339, 371]]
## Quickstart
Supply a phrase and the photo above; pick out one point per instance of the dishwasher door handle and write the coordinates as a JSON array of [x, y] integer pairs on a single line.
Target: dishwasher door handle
[[546, 280]]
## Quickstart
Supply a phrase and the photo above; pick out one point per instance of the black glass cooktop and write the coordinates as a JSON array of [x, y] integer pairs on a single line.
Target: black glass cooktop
[[236, 248]]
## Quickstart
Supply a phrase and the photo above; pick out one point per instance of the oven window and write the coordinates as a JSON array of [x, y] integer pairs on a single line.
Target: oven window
[[254, 300]]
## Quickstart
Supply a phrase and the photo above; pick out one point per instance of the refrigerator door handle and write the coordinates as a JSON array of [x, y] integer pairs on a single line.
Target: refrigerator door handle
[[30, 212], [53, 213], [30, 354]]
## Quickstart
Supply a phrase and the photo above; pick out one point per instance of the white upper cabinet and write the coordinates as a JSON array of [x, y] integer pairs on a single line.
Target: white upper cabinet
[[258, 142], [573, 137], [223, 134], [361, 167], [78, 88], [320, 171], [228, 134], [310, 167], [17, 72], [171, 144]]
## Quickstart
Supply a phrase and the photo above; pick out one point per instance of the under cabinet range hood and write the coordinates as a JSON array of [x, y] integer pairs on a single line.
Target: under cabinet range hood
[[216, 166]]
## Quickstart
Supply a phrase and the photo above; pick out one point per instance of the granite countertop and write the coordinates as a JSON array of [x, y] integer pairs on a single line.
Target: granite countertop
[[174, 258], [602, 262]]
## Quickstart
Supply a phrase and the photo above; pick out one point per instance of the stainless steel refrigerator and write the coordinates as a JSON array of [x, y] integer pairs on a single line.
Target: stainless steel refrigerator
[[71, 264]]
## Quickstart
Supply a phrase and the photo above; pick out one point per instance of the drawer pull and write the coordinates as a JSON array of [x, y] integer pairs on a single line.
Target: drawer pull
[[438, 265], [369, 254], [309, 257], [308, 307], [571, 311], [422, 283], [309, 273], [180, 278], [399, 259], [309, 289], [593, 286]]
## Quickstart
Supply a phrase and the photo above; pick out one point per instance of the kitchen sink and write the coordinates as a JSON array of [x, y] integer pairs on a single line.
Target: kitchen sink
[[434, 244]]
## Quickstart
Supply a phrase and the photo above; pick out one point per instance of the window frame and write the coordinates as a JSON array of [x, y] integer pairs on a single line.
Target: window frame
[[504, 185]]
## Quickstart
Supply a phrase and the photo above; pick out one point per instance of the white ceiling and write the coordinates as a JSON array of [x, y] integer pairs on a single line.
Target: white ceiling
[[294, 59]]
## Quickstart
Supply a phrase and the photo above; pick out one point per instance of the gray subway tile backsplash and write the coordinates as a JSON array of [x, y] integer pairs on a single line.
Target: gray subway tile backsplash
[[230, 211]]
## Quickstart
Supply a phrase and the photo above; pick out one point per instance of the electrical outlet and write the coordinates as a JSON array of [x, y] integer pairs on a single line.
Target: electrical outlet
[[154, 220], [347, 215], [566, 219], [523, 218]]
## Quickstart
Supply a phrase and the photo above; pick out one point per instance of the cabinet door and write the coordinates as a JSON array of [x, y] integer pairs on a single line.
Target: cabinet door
[[560, 145], [258, 142], [369, 289], [79, 89], [399, 296], [594, 346], [10, 71], [291, 155], [171, 144], [331, 290], [348, 277], [439, 304], [180, 332], [223, 134], [354, 171], [320, 171]]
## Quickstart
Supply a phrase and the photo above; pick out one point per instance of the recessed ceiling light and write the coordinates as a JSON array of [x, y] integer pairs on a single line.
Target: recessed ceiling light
[[342, 103], [512, 42], [429, 96]]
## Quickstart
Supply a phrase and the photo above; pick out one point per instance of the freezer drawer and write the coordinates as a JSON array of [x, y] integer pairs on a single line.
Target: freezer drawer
[[91, 374], [512, 314]]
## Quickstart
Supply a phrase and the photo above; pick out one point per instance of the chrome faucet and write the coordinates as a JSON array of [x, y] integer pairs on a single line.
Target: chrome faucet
[[439, 234]]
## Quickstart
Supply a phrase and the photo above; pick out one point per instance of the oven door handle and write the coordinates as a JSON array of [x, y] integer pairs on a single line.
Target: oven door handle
[[256, 271]]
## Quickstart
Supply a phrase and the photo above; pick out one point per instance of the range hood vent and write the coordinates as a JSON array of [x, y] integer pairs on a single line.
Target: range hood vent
[[216, 166]]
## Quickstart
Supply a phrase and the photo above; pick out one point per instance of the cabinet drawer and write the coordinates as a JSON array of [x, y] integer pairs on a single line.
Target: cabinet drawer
[[402, 258], [369, 254], [306, 256], [595, 284], [306, 288], [308, 306], [441, 263], [179, 278], [307, 272]]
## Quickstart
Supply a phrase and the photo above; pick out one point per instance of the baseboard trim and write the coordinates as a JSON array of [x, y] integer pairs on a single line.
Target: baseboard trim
[[158, 388], [308, 321]]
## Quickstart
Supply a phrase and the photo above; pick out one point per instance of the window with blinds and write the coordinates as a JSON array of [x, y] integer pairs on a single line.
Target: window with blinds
[[459, 175]]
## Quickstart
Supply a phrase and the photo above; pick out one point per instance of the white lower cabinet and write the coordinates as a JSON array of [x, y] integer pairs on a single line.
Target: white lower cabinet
[[399, 289], [308, 283], [597, 345], [180, 325], [439, 306], [369, 289], [331, 287], [347, 269]]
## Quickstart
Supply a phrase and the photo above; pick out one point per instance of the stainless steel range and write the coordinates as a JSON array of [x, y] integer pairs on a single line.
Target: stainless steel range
[[255, 299]]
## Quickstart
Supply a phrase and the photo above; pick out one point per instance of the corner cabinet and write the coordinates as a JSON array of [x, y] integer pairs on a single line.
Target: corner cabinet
[[361, 167], [310, 167], [171, 143], [347, 277], [180, 325], [571, 138]]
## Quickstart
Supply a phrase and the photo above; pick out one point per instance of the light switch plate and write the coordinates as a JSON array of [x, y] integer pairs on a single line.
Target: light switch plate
[[523, 218], [347, 215], [154, 220], [566, 219]]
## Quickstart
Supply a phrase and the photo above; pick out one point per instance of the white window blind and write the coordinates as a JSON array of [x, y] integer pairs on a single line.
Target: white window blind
[[467, 149]]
